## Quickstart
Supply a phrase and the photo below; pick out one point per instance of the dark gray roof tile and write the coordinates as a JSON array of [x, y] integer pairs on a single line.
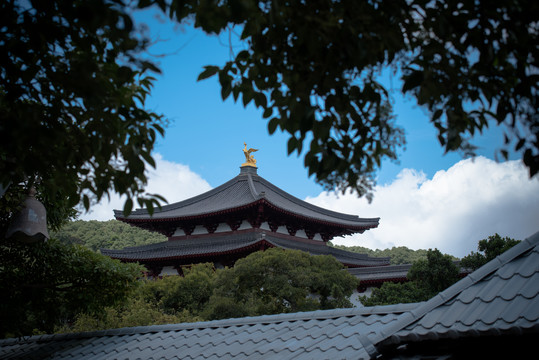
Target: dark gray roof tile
[[318, 334]]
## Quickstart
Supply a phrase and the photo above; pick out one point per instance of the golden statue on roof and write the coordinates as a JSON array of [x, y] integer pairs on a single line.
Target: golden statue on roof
[[249, 159]]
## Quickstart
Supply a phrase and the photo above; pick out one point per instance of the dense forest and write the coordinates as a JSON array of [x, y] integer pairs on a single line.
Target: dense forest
[[112, 234], [399, 255], [115, 234]]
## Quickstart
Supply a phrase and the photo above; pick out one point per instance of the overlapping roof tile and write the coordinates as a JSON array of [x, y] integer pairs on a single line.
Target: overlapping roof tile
[[311, 335]]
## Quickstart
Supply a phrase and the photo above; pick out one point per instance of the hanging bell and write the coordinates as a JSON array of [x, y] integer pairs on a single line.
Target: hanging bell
[[30, 223]]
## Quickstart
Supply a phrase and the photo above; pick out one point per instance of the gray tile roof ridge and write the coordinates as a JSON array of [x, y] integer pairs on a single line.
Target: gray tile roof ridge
[[444, 296], [225, 323], [382, 269], [252, 188]]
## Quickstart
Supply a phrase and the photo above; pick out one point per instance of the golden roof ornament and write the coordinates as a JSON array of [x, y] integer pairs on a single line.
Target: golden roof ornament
[[249, 159]]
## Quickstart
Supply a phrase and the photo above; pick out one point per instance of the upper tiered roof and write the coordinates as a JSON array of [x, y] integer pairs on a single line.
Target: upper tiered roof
[[249, 197]]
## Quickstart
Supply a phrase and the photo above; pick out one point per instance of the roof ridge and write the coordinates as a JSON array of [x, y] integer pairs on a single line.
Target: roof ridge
[[252, 188]]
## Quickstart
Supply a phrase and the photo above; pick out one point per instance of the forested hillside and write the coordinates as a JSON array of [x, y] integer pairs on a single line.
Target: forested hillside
[[398, 255], [115, 234], [110, 234]]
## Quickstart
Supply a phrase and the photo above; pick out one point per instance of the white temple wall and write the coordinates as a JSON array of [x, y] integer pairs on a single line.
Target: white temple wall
[[168, 270], [178, 232], [222, 228], [199, 229], [265, 226], [245, 225], [317, 237], [282, 230]]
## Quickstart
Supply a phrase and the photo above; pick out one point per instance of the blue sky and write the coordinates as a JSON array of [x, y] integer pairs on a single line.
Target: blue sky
[[205, 140]]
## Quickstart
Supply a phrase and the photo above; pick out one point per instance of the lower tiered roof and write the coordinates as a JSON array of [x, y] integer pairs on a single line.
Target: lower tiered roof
[[240, 242], [248, 197]]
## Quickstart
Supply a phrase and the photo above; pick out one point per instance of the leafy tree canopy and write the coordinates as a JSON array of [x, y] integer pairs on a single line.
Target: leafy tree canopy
[[75, 72], [488, 248], [46, 284], [277, 281], [268, 282], [427, 278], [434, 274], [395, 293], [73, 80], [313, 68]]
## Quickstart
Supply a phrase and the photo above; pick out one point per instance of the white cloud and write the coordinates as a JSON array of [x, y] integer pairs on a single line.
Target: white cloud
[[452, 211], [174, 181]]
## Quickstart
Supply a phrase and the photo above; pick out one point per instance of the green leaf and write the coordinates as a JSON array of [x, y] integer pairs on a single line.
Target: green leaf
[[268, 111], [128, 206], [437, 114], [412, 81], [292, 144], [86, 202], [226, 89], [272, 125], [209, 71]]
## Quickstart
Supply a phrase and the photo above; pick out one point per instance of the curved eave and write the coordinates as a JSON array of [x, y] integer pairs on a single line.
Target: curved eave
[[234, 243], [299, 217], [253, 246], [246, 191], [358, 227]]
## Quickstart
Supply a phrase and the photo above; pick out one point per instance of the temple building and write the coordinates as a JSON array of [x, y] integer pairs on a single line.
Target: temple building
[[244, 215]]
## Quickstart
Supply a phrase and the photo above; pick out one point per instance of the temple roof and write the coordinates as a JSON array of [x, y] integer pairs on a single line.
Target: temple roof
[[230, 243], [246, 190]]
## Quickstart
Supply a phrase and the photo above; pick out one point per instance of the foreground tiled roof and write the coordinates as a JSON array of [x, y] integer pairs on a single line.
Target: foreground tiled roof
[[227, 243], [330, 334], [499, 299], [502, 297], [244, 190]]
